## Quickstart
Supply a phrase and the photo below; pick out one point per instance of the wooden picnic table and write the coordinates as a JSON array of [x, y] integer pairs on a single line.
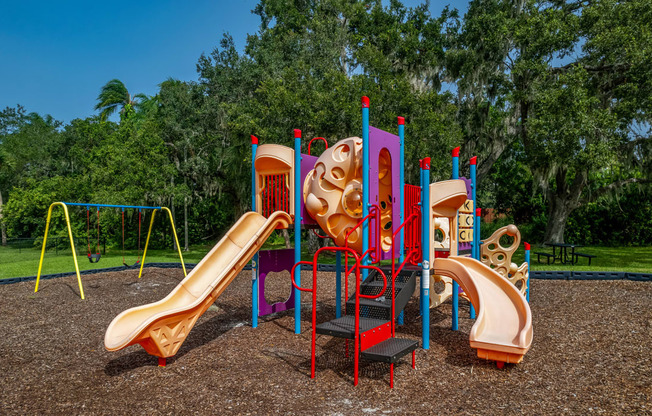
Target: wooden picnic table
[[563, 252]]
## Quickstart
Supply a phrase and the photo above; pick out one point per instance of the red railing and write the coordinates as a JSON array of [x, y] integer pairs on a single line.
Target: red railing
[[412, 234], [275, 194], [374, 213], [412, 256], [356, 267], [317, 138], [374, 249]]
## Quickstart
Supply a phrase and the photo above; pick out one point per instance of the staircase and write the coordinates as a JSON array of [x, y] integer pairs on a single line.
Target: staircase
[[376, 340]]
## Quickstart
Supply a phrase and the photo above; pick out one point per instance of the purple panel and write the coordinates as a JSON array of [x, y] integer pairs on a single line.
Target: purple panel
[[307, 164], [379, 139], [469, 195], [274, 261]]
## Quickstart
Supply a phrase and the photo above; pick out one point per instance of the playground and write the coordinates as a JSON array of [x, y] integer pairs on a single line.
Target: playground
[[418, 313], [591, 355], [361, 207]]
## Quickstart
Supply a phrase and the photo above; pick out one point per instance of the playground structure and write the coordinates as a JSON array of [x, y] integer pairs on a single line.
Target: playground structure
[[95, 257], [355, 193]]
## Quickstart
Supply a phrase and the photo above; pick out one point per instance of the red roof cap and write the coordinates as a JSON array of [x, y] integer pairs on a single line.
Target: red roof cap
[[456, 152], [473, 160], [254, 139], [527, 245]]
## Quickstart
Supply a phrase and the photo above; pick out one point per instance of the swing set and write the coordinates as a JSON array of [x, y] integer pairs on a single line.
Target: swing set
[[95, 257]]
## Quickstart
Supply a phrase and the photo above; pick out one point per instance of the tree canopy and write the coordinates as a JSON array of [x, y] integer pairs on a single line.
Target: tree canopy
[[554, 97]]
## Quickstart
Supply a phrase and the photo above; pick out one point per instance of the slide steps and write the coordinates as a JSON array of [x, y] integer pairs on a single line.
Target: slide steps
[[391, 350], [344, 327], [375, 334]]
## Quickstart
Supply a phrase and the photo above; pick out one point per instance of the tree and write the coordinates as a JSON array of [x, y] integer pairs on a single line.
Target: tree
[[10, 120], [572, 121], [591, 127], [114, 95], [185, 127]]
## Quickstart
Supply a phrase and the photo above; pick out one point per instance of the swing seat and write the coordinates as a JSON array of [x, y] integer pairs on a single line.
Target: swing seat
[[94, 258], [132, 266]]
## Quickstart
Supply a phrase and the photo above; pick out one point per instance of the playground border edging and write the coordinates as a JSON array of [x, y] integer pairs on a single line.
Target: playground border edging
[[534, 274]]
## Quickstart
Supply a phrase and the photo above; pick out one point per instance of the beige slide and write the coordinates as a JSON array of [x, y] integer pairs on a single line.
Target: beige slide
[[161, 327], [503, 327]]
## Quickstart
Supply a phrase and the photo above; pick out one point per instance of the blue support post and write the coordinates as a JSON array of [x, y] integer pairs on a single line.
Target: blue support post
[[81, 204], [456, 287], [425, 244], [475, 252], [401, 137], [338, 284], [365, 182], [297, 229], [527, 260], [423, 207], [254, 262]]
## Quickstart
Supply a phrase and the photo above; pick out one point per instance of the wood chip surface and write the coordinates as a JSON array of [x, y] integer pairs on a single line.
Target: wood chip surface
[[591, 354]]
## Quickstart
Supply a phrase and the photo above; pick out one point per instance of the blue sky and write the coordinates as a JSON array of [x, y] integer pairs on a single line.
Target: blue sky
[[55, 56]]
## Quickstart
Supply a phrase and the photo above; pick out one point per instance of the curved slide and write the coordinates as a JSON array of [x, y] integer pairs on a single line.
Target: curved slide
[[161, 327], [503, 327]]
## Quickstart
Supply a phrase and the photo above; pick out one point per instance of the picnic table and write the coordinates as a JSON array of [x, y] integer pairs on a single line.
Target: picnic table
[[563, 252]]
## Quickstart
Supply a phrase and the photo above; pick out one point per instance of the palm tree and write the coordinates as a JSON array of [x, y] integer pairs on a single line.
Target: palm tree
[[114, 94]]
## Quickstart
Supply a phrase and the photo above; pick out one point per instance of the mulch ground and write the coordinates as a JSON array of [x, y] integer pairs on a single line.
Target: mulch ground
[[592, 354]]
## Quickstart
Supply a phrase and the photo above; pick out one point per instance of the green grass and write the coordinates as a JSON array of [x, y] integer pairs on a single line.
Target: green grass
[[24, 262], [609, 259]]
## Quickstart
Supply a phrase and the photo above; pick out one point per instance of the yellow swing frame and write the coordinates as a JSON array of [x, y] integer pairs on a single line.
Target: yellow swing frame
[[74, 252]]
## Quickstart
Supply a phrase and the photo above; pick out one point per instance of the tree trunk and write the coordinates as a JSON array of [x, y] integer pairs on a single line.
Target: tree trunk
[[185, 224], [185, 203], [562, 201], [286, 237], [3, 229], [313, 242], [174, 220], [558, 213]]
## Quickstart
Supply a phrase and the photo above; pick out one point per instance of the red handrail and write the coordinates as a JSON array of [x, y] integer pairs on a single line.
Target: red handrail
[[412, 253], [317, 138], [356, 349], [358, 295], [411, 202], [313, 290], [294, 283], [319, 235], [375, 211]]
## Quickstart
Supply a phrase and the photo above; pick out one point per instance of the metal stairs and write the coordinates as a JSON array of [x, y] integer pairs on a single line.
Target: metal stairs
[[374, 319]]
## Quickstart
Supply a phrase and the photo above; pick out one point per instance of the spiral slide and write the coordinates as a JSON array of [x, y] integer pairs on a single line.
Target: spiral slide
[[503, 327], [161, 327]]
